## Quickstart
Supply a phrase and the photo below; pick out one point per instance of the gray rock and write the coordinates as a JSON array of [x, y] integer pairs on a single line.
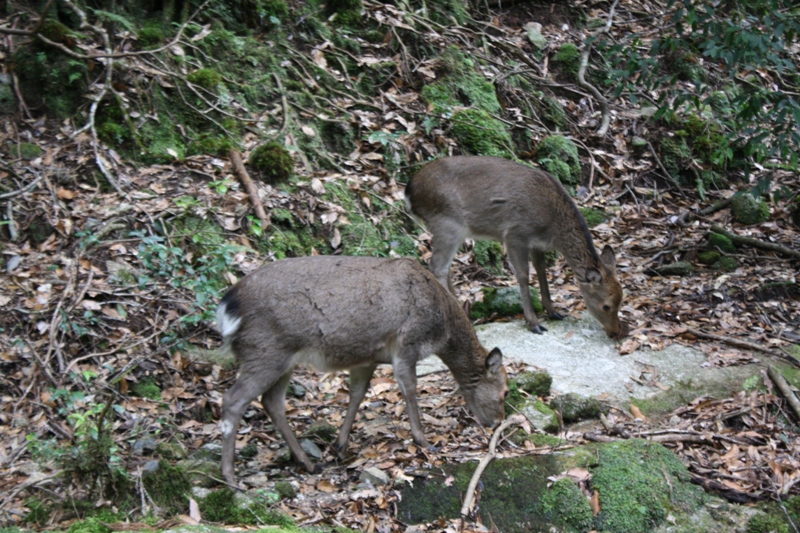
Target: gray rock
[[144, 446], [375, 476], [210, 452], [310, 448], [534, 31], [540, 415], [256, 480], [150, 466], [201, 472], [649, 111]]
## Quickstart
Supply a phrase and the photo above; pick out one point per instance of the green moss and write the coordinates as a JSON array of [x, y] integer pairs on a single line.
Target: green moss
[[113, 134], [676, 156], [544, 440], [639, 483], [568, 59], [348, 12], [574, 407], [338, 137], [502, 302], [460, 86], [201, 472], [748, 209], [168, 487], [565, 506], [717, 241], [708, 257], [767, 523], [90, 525], [206, 78], [535, 383], [146, 388], [273, 162], [553, 112], [28, 150], [38, 512], [677, 268], [162, 142], [211, 144], [249, 451], [726, 264], [8, 101], [222, 506], [481, 134], [593, 217], [275, 8], [559, 156], [149, 36], [322, 430], [285, 489], [50, 79], [201, 236], [489, 255]]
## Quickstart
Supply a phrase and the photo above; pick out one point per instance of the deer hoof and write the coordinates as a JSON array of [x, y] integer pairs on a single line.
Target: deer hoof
[[555, 315], [538, 329]]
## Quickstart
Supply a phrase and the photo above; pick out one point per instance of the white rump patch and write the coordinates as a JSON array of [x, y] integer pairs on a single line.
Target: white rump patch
[[226, 323]]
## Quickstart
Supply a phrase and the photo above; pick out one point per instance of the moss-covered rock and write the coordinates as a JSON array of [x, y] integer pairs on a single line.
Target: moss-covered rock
[[675, 155], [146, 388], [639, 483], [206, 78], [285, 490], [593, 217], [564, 505], [322, 430], [171, 450], [717, 241], [540, 415], [481, 134], [559, 156], [574, 407], [8, 101], [201, 472], [489, 255], [773, 519], [709, 257], [553, 112], [748, 209], [168, 487], [678, 268], [568, 60], [273, 162], [27, 150], [536, 383], [223, 506], [726, 264], [505, 301], [149, 36]]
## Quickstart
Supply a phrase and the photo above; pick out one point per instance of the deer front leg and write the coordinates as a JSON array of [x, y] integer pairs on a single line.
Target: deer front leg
[[518, 257], [405, 372], [274, 402], [540, 264]]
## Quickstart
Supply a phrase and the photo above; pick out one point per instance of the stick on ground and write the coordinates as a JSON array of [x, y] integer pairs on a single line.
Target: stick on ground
[[250, 187]]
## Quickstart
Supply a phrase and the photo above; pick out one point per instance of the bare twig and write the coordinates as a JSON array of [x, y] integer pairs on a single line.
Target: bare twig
[[42, 17], [515, 420], [785, 389], [250, 187]]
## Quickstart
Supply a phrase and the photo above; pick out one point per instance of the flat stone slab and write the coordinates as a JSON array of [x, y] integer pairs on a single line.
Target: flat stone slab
[[583, 360]]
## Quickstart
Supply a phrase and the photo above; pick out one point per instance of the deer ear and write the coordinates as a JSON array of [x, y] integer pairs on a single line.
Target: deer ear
[[593, 275], [608, 258], [494, 361]]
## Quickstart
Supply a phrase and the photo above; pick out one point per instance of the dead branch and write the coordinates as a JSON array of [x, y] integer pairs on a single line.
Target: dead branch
[[515, 420], [785, 389], [686, 216], [602, 100], [42, 18], [250, 187], [756, 243], [741, 343]]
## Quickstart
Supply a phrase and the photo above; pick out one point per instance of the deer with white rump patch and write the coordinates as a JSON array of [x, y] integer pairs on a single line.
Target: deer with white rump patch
[[527, 210], [353, 313]]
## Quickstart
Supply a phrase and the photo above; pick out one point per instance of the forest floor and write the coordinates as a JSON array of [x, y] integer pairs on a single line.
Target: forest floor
[[100, 302]]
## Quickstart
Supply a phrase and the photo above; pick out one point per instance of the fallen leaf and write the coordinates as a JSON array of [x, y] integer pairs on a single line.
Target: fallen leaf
[[66, 194]]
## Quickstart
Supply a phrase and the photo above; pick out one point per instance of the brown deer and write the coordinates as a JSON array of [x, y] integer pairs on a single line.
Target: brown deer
[[351, 313], [527, 210]]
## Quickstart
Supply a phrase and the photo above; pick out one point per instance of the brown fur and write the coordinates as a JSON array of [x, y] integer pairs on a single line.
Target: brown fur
[[348, 313], [526, 209]]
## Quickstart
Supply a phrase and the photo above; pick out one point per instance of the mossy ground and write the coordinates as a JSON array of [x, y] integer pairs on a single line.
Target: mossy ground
[[559, 156]]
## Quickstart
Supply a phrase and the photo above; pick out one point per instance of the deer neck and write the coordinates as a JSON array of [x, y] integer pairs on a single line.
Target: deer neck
[[576, 245]]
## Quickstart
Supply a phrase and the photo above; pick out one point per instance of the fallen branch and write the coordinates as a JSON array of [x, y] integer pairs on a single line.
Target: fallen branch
[[515, 420], [740, 343], [785, 389], [686, 216], [250, 187], [755, 243], [726, 492]]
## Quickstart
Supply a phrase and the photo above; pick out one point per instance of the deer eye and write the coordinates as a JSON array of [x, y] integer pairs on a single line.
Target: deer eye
[[505, 395], [606, 308]]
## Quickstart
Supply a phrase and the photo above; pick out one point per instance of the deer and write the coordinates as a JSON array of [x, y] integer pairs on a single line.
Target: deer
[[348, 313], [530, 212]]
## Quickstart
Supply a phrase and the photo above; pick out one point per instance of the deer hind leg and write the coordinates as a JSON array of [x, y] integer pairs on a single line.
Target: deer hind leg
[[274, 402], [359, 383], [246, 389], [540, 264], [518, 257], [445, 242]]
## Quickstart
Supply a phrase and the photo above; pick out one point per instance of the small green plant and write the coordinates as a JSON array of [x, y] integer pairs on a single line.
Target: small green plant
[[273, 162], [206, 78]]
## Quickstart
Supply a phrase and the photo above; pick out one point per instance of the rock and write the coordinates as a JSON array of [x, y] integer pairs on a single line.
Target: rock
[[719, 242], [541, 416], [171, 450], [249, 451], [285, 489], [638, 142], [505, 301], [375, 476], [200, 471], [296, 390], [574, 407], [310, 448], [678, 268], [150, 466], [144, 446], [649, 111], [748, 209], [256, 480], [211, 451], [536, 383], [534, 31], [322, 430]]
